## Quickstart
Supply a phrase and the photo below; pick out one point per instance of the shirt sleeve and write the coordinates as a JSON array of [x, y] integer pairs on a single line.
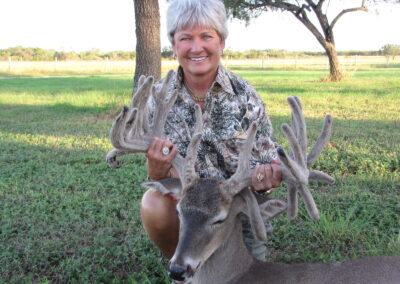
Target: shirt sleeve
[[264, 149]]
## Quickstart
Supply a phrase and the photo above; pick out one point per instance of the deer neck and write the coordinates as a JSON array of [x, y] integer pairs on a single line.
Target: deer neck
[[228, 262]]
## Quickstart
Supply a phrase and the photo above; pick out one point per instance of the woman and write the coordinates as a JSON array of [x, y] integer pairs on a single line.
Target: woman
[[197, 30]]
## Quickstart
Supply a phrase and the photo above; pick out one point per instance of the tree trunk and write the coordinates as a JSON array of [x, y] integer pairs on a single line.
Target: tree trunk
[[334, 66], [148, 46]]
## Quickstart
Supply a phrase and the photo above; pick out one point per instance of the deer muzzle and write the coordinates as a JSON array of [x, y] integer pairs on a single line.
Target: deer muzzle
[[177, 272]]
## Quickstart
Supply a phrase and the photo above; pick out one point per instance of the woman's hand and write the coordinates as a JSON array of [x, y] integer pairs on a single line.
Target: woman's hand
[[160, 155], [267, 177]]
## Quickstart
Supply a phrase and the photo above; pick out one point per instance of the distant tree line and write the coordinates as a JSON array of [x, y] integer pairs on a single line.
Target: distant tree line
[[19, 53], [38, 54]]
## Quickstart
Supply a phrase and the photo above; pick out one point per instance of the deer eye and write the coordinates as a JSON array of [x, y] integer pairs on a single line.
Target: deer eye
[[218, 222]]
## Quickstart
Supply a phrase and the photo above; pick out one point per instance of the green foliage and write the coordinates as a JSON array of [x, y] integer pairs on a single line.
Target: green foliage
[[37, 54], [66, 217], [166, 52], [390, 51]]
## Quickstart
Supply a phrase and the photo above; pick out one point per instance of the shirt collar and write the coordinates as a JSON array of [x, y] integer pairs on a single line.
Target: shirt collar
[[222, 80]]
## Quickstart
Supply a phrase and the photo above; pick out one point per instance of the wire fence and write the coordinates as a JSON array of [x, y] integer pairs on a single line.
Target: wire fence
[[108, 66]]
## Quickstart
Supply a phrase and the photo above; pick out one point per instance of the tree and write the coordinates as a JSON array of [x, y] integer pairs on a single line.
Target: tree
[[148, 45], [304, 11], [390, 51]]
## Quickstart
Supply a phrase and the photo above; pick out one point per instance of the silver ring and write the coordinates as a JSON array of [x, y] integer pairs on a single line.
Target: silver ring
[[165, 150], [260, 177]]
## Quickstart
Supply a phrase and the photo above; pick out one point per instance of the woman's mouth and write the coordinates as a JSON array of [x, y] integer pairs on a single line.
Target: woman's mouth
[[198, 59]]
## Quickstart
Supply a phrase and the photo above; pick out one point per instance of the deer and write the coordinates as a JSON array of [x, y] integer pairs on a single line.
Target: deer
[[210, 247]]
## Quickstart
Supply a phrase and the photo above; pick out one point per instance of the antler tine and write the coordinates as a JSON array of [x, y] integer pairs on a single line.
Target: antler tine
[[298, 122], [296, 171], [137, 92], [321, 176], [292, 201], [111, 158], [242, 177], [187, 170], [139, 126], [296, 184], [163, 104], [309, 201], [321, 141]]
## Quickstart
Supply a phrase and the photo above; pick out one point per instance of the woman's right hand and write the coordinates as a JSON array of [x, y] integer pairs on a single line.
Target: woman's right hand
[[159, 162]]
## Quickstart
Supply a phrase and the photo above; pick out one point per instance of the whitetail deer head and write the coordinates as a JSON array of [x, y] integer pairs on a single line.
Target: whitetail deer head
[[208, 211]]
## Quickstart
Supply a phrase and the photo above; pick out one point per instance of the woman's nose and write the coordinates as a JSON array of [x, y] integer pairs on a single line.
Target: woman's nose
[[197, 46]]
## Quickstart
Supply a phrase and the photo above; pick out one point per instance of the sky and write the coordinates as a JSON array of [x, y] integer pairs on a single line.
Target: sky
[[109, 25]]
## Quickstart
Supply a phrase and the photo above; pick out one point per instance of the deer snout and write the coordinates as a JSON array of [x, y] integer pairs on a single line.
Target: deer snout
[[177, 272]]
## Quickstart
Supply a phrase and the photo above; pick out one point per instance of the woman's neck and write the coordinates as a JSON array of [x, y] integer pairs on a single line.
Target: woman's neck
[[199, 85]]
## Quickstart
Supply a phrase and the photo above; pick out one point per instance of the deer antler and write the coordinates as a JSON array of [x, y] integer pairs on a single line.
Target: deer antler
[[295, 171], [242, 177], [132, 131]]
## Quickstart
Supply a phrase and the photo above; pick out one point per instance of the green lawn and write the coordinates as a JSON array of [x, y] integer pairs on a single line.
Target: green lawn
[[66, 217]]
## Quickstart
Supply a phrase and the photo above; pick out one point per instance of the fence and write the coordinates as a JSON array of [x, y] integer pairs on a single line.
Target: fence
[[106, 66]]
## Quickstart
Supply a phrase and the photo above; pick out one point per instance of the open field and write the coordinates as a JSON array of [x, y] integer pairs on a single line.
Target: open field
[[66, 217], [349, 65]]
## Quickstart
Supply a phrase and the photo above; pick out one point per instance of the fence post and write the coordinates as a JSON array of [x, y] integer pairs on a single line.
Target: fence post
[[9, 64], [55, 63], [106, 65]]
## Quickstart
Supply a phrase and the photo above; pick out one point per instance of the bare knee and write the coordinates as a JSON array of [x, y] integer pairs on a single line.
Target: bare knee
[[158, 211]]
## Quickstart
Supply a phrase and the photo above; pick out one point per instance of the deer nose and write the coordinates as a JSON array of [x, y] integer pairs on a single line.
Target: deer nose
[[176, 272]]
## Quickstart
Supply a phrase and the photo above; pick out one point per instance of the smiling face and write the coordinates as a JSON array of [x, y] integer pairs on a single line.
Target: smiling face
[[198, 50]]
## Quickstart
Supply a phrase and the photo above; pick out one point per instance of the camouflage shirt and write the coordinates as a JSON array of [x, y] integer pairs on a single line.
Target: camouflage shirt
[[231, 105]]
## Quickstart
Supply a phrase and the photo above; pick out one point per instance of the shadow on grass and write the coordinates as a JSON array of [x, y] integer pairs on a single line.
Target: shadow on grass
[[52, 86]]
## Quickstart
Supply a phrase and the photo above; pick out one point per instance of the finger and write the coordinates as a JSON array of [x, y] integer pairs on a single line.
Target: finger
[[276, 175], [257, 185], [275, 162], [168, 144], [267, 183], [151, 150], [172, 154]]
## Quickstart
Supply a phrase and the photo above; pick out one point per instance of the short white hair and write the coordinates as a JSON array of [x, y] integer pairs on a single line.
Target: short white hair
[[183, 14]]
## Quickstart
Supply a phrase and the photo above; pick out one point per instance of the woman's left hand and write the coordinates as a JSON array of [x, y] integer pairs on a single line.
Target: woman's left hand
[[267, 177]]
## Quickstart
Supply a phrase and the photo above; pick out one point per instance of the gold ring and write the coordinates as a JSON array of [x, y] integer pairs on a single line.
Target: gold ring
[[165, 150], [260, 177]]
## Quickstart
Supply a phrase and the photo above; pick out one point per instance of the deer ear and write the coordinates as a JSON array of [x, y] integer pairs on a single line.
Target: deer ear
[[170, 186], [272, 208], [254, 214]]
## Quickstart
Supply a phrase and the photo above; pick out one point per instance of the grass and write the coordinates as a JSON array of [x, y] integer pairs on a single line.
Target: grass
[[66, 217]]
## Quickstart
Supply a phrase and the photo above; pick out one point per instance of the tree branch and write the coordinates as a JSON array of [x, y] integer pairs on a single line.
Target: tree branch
[[365, 9], [320, 3], [310, 26]]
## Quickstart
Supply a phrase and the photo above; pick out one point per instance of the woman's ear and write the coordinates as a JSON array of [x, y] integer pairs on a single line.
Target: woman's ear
[[222, 46], [173, 50]]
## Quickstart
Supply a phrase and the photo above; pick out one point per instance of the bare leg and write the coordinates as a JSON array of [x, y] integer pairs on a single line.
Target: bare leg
[[160, 220]]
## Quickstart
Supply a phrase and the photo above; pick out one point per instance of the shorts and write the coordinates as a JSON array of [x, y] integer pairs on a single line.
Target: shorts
[[257, 248]]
